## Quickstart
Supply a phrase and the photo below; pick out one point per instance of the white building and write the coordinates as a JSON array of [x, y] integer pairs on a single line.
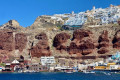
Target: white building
[[82, 67], [47, 60], [15, 62], [112, 67], [107, 15], [78, 19]]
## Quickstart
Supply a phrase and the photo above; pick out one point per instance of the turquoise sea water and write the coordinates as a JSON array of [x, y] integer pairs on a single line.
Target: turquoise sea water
[[57, 76]]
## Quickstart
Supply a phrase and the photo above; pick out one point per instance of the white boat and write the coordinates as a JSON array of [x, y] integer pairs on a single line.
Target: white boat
[[106, 73], [69, 72], [86, 71], [20, 71]]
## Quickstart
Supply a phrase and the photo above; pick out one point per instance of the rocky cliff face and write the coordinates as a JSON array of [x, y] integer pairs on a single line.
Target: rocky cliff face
[[6, 40], [103, 43], [9, 42], [45, 22], [12, 25], [20, 41], [60, 41], [41, 48], [116, 40], [89, 44], [82, 42], [85, 43]]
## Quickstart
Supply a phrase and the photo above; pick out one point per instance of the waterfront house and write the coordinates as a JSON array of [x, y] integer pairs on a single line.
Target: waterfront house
[[27, 64], [7, 67], [35, 67], [113, 67], [52, 68], [1, 68], [15, 65], [82, 66], [61, 61], [47, 60]]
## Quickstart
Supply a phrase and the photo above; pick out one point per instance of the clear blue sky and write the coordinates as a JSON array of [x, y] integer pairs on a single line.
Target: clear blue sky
[[26, 11]]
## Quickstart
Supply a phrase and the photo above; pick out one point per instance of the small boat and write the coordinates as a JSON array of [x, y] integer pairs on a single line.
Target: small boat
[[86, 71], [69, 72], [106, 73], [20, 71]]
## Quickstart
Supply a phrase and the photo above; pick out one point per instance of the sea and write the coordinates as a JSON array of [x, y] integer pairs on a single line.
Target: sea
[[59, 76]]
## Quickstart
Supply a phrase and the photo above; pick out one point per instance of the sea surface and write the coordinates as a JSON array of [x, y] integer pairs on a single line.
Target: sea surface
[[58, 76]]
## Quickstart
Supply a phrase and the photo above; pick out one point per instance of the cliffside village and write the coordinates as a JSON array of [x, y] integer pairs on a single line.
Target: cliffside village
[[96, 16], [81, 44], [50, 64], [106, 16], [93, 18]]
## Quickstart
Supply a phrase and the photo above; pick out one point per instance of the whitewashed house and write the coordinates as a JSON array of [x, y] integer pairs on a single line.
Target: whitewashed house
[[78, 19], [107, 15], [47, 60], [113, 67]]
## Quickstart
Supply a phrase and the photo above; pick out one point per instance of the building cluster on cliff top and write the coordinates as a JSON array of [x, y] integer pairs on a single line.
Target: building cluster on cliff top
[[105, 16], [96, 16]]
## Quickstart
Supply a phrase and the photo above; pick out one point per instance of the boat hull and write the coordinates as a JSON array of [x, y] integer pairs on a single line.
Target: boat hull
[[106, 70]]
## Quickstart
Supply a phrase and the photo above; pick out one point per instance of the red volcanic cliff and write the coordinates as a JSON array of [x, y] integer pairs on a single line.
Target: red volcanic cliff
[[82, 42], [60, 40], [81, 33], [103, 43], [86, 43], [42, 48], [6, 40], [20, 41], [116, 40], [6, 44]]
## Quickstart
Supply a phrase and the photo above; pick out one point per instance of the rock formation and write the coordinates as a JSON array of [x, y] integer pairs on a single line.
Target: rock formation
[[20, 41], [40, 39], [12, 25], [82, 42], [60, 40], [42, 47], [103, 43], [116, 40], [6, 40]]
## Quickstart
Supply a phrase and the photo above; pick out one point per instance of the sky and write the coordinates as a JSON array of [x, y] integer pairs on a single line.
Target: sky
[[26, 11]]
